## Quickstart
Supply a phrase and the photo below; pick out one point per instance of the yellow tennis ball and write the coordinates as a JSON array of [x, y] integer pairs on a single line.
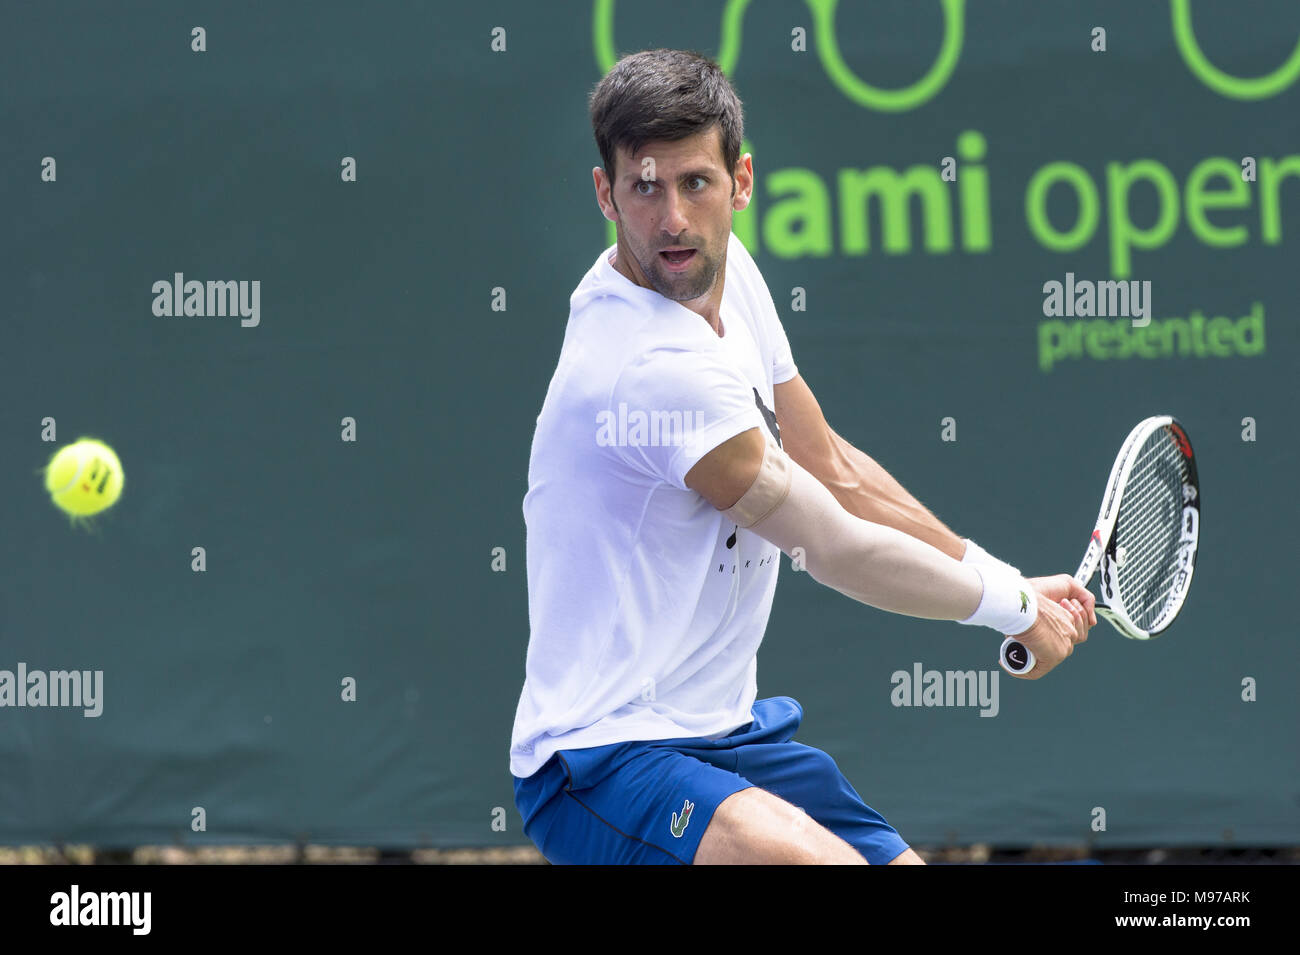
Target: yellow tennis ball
[[84, 477]]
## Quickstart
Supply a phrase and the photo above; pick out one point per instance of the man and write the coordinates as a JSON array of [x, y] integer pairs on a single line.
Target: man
[[677, 453]]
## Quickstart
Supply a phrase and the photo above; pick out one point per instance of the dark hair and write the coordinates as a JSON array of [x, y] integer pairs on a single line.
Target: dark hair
[[664, 95]]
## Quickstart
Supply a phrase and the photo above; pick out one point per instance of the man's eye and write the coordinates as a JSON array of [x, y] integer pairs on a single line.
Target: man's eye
[[643, 182], [700, 179]]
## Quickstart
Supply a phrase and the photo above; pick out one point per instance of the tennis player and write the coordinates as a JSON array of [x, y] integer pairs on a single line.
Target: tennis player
[[678, 453]]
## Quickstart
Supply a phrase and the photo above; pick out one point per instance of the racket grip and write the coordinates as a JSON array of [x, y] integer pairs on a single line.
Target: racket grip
[[1015, 657]]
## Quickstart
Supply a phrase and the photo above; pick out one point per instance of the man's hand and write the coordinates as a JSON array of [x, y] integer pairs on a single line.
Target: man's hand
[[1060, 587], [1064, 616]]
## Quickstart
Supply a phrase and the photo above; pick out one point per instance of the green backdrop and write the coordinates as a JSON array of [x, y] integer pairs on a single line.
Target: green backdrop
[[373, 558]]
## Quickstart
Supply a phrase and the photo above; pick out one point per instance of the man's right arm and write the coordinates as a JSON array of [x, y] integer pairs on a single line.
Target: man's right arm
[[762, 488], [869, 562]]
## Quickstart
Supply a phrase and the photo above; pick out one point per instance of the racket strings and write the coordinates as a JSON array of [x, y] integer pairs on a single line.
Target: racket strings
[[1148, 527], [1150, 523], [1152, 532], [1145, 512], [1150, 536]]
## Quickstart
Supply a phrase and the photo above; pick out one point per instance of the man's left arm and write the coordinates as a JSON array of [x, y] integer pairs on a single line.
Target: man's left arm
[[862, 486], [867, 490]]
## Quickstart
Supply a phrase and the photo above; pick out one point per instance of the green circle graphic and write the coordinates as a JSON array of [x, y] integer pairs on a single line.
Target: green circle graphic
[[1234, 87], [889, 101], [602, 35], [828, 51]]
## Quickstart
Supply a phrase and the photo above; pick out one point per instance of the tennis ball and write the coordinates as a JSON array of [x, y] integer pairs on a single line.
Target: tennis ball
[[84, 477]]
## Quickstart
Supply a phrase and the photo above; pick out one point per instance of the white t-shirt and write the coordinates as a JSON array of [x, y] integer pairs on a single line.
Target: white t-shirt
[[646, 605]]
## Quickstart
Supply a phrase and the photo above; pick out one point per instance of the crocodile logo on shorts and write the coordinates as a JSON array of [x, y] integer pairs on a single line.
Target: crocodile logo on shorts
[[678, 828]]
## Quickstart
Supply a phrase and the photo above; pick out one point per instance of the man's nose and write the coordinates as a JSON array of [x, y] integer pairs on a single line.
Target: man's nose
[[674, 221]]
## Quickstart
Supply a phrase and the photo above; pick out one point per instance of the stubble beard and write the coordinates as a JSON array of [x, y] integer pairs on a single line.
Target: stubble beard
[[697, 281]]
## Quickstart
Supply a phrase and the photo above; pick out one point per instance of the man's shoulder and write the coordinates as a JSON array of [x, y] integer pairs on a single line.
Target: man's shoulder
[[739, 255], [748, 281], [752, 289], [615, 328]]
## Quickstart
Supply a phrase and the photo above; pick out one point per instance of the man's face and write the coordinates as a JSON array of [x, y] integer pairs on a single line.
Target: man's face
[[675, 196]]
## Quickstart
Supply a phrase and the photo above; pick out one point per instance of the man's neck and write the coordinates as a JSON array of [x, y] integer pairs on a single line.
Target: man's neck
[[708, 307]]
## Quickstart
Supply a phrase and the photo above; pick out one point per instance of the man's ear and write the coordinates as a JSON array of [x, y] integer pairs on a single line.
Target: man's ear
[[739, 202], [598, 174]]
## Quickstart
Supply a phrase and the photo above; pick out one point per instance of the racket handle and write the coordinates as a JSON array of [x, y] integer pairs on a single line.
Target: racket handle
[[1015, 657]]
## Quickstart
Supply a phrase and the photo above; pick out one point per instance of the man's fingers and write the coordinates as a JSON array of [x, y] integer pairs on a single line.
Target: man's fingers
[[1082, 594], [1057, 586], [1079, 619], [1050, 638], [1089, 602]]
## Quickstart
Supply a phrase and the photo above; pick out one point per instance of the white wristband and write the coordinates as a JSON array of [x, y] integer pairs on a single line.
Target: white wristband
[[1009, 604], [975, 554]]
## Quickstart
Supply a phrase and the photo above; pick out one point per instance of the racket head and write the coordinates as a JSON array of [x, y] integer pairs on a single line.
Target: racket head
[[1105, 523], [1149, 554]]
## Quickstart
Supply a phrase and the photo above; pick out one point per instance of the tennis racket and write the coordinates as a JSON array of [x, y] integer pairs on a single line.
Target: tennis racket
[[1144, 539]]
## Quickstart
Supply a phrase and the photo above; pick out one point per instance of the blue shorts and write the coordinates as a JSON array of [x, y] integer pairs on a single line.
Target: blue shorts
[[649, 802]]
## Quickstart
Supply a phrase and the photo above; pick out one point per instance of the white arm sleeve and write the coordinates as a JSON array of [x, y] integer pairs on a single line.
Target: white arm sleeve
[[872, 563]]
